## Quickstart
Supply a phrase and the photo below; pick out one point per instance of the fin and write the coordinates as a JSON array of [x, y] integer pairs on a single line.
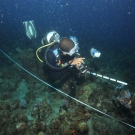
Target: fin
[[30, 29]]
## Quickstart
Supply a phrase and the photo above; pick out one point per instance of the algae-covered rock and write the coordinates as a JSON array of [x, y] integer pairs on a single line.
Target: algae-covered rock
[[18, 50], [88, 90], [21, 90], [1, 80], [66, 130], [82, 127], [23, 103], [41, 133], [62, 114]]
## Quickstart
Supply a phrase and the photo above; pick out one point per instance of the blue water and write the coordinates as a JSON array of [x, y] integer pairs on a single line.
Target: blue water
[[109, 20]]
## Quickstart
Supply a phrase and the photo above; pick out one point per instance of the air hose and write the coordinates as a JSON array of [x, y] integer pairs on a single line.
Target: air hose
[[41, 48], [64, 92]]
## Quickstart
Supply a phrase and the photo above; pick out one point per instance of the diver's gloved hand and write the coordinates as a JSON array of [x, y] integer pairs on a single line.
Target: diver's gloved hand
[[77, 61]]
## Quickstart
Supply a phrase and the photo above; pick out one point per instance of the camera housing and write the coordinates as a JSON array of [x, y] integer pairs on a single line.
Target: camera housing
[[82, 69]]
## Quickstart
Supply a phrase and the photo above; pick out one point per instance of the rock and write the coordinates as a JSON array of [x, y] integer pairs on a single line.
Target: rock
[[41, 133], [21, 126], [1, 80], [82, 127], [23, 103], [13, 105], [62, 114]]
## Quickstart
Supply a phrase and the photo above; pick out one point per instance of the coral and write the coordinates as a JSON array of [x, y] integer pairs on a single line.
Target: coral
[[22, 117], [82, 127], [21, 126], [23, 103], [21, 90], [12, 105], [41, 133], [55, 123], [125, 99], [1, 80], [6, 96], [43, 110], [102, 128], [37, 126], [66, 130], [2, 105], [62, 114], [88, 90]]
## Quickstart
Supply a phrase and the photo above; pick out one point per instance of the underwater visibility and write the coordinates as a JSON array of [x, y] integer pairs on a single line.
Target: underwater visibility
[[67, 67]]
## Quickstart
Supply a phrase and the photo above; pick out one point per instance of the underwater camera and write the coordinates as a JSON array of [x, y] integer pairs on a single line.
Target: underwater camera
[[83, 69]]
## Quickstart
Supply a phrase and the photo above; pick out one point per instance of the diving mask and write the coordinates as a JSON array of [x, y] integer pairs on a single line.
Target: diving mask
[[73, 50]]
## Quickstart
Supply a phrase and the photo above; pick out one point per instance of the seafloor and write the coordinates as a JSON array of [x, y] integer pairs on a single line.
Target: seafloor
[[29, 107]]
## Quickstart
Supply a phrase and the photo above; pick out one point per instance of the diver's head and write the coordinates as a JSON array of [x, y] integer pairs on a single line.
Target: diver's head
[[67, 46]]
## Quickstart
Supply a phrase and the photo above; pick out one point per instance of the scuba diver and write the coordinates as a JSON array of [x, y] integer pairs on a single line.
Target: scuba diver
[[61, 54]]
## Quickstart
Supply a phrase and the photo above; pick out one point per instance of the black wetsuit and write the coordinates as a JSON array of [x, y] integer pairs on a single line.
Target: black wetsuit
[[56, 70]]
